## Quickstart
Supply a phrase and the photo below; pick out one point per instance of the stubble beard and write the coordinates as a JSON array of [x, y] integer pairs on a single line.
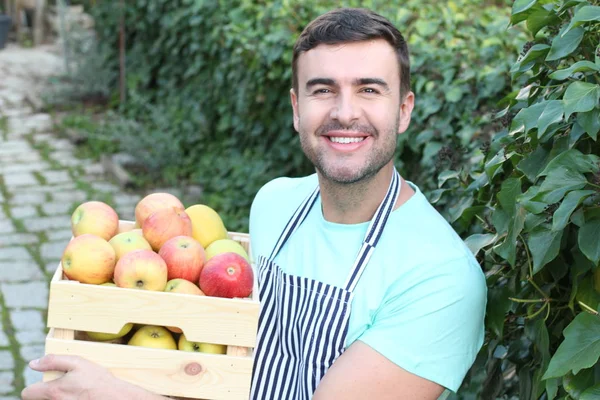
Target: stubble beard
[[336, 175]]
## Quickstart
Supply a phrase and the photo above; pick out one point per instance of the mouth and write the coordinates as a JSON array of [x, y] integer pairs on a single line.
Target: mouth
[[346, 139]]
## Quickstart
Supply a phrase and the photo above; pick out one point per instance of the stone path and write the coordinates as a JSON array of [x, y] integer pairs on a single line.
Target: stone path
[[41, 182]]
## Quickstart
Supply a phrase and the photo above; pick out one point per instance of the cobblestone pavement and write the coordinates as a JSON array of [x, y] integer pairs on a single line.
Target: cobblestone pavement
[[41, 182]]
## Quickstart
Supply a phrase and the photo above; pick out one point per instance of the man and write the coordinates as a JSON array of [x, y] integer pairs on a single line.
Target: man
[[365, 290]]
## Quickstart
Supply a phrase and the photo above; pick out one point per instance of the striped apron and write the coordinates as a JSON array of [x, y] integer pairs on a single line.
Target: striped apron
[[303, 323]]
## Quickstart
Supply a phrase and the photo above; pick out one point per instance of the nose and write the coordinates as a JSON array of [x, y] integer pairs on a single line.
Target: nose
[[346, 110]]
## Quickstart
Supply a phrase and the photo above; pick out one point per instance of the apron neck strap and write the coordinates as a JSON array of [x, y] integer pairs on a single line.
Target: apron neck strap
[[371, 238]]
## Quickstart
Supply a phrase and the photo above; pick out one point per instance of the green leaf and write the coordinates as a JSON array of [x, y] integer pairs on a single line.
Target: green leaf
[[553, 113], [544, 245], [552, 387], [527, 118], [533, 206], [478, 241], [532, 165], [454, 95], [539, 19], [589, 240], [508, 249], [576, 133], [581, 97], [562, 46], [584, 14], [573, 159], [497, 305], [592, 393], [586, 292], [519, 8], [580, 348], [510, 189], [568, 205], [560, 181], [446, 175], [590, 121], [579, 66], [576, 384], [536, 51]]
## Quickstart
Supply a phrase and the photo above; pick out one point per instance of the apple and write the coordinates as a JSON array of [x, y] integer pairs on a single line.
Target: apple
[[101, 336], [162, 225], [95, 217], [157, 337], [141, 269], [125, 226], [225, 246], [207, 225], [227, 275], [154, 202], [89, 259], [125, 242], [179, 285], [184, 256], [185, 345]]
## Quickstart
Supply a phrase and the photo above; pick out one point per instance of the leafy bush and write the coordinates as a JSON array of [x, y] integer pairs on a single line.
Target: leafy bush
[[529, 206], [218, 73]]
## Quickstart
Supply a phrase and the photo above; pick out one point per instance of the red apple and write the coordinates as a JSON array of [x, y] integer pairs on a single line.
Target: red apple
[[184, 256], [227, 275], [165, 224], [95, 217], [141, 269], [154, 202]]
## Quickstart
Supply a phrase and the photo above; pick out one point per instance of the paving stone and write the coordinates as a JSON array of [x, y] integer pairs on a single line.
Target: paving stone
[[6, 168], [17, 239], [94, 169], [30, 294], [43, 137], [53, 250], [30, 337], [27, 320], [6, 360], [19, 271], [6, 383], [23, 212], [15, 147], [53, 177], [62, 234], [62, 144], [46, 223], [57, 208], [6, 226], [20, 179], [51, 266], [1, 198], [15, 254], [27, 198], [22, 158], [31, 376], [43, 189], [25, 124], [105, 187], [32, 351], [3, 338], [76, 196], [126, 199]]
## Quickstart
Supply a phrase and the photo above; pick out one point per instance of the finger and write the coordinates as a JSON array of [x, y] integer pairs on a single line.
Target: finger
[[53, 362], [37, 391]]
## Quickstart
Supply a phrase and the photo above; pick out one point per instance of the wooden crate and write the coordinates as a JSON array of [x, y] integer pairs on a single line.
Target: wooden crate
[[74, 308]]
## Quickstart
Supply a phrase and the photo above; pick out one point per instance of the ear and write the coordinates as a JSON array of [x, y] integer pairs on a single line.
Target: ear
[[294, 100], [406, 108]]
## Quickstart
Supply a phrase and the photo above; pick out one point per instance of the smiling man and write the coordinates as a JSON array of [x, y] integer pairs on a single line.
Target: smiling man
[[366, 292]]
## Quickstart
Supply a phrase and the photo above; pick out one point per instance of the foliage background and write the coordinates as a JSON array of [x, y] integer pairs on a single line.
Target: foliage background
[[503, 141]]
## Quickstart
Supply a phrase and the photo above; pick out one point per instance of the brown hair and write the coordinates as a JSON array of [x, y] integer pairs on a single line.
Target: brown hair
[[345, 25]]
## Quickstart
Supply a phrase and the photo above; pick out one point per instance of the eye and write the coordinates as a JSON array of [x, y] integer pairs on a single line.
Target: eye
[[370, 90], [322, 91]]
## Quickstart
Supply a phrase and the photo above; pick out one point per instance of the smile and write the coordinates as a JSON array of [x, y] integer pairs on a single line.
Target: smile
[[345, 140]]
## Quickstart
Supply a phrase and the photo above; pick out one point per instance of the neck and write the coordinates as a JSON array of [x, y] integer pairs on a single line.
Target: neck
[[357, 202]]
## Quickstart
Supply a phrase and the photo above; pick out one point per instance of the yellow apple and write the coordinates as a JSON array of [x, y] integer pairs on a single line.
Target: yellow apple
[[185, 345], [125, 242], [141, 269], [225, 246], [154, 202], [157, 337], [89, 259], [95, 217], [207, 225], [101, 336]]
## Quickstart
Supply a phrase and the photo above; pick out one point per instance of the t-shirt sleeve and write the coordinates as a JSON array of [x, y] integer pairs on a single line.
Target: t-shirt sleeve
[[432, 323]]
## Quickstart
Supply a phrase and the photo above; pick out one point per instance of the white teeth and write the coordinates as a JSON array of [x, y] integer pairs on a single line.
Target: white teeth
[[346, 140]]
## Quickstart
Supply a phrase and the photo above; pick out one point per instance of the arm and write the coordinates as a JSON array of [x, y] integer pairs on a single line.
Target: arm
[[82, 379], [362, 373]]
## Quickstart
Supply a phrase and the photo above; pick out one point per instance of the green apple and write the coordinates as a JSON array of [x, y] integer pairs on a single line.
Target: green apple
[[225, 246]]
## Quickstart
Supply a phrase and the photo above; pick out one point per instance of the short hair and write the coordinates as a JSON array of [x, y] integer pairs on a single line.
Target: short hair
[[345, 25]]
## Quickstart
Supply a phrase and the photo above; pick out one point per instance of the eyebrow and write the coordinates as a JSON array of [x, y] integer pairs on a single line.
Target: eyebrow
[[356, 82]]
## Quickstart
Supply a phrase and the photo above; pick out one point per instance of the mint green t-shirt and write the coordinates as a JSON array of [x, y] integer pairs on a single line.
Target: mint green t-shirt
[[422, 297]]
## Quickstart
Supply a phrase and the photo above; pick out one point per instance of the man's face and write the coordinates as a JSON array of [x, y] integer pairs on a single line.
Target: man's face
[[348, 109]]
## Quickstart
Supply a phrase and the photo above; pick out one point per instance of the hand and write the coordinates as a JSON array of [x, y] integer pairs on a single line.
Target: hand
[[82, 380]]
